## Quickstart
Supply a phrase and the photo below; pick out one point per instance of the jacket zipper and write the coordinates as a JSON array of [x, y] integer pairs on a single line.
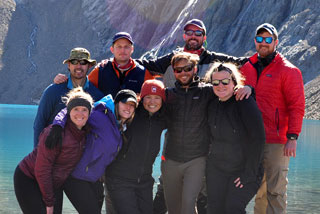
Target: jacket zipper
[[277, 120]]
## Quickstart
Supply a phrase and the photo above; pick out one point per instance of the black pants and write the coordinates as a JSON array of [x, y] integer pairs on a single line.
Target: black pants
[[129, 196], [29, 195], [86, 197], [224, 197]]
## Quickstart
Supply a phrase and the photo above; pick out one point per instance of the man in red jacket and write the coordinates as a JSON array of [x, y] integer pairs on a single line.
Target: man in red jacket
[[279, 93]]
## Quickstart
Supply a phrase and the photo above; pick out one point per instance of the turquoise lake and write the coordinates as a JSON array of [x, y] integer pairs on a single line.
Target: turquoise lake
[[16, 141]]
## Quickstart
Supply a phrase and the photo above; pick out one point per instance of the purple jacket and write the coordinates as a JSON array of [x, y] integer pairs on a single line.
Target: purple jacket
[[103, 143]]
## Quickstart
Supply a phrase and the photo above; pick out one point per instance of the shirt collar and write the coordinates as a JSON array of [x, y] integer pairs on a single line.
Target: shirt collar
[[70, 85]]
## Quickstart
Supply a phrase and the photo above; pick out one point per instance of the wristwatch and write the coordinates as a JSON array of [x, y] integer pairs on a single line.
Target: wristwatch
[[292, 136]]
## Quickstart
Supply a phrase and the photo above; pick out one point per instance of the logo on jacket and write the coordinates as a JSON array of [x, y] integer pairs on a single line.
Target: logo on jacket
[[268, 75]]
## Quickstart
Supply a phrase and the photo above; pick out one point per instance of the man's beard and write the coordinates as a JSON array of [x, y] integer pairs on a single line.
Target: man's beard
[[187, 83], [193, 47]]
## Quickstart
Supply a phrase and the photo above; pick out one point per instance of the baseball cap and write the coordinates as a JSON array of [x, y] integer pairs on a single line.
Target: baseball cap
[[122, 35], [196, 22], [80, 54], [126, 95], [268, 27]]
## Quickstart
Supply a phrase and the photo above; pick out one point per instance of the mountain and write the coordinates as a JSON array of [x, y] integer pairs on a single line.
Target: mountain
[[36, 36]]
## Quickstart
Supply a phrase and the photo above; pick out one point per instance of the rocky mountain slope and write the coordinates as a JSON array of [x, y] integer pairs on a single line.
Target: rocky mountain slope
[[36, 36]]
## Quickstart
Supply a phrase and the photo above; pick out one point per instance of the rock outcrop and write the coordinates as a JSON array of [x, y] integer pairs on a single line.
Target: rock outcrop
[[36, 36]]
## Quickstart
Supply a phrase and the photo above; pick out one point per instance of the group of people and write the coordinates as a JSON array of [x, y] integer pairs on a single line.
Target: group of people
[[230, 131]]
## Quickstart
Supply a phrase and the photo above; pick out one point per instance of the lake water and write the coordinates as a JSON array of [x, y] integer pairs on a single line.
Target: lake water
[[16, 141]]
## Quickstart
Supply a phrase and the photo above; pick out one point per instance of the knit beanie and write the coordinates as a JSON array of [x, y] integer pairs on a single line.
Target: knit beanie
[[155, 87], [78, 102]]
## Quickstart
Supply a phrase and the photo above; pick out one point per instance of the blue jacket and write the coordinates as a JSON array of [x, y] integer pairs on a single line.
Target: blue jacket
[[102, 145], [51, 104]]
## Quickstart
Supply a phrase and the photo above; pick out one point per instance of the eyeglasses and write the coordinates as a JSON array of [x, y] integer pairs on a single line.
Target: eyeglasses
[[194, 32], [268, 40], [82, 62], [186, 68], [225, 81]]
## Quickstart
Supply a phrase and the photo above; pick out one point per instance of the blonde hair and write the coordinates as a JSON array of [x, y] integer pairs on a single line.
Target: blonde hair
[[231, 68], [191, 58]]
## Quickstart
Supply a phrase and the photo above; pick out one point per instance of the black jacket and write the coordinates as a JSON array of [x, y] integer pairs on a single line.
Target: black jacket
[[186, 116], [135, 160], [237, 137]]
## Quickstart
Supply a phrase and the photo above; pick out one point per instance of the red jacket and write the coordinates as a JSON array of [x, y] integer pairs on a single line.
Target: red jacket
[[52, 167], [280, 97]]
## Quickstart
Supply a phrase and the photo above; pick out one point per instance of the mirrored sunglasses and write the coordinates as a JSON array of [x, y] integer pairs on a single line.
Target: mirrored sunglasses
[[82, 62], [225, 81], [187, 68], [194, 32], [268, 40]]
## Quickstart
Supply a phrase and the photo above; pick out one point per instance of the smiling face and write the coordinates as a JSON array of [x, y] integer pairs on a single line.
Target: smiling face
[[264, 49], [152, 103], [193, 42], [79, 116], [184, 77], [126, 110], [78, 71], [224, 92]]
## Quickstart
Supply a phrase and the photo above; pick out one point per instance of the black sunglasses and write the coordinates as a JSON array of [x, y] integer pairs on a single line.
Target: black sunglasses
[[75, 62], [225, 81], [194, 32], [186, 68], [268, 40]]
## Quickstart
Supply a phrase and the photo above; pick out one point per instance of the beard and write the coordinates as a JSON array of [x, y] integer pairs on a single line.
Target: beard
[[193, 47], [186, 83]]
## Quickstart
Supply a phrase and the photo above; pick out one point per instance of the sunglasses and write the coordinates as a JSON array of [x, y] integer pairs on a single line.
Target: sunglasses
[[187, 68], [223, 81], [82, 62], [268, 40], [194, 32]]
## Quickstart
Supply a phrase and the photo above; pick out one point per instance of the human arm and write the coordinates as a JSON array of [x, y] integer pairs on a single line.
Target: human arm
[[44, 113], [44, 168], [50, 210], [158, 65], [290, 148], [60, 78], [253, 151], [293, 91], [220, 57], [242, 92]]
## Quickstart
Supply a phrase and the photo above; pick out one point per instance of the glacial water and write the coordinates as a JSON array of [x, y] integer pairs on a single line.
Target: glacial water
[[16, 141]]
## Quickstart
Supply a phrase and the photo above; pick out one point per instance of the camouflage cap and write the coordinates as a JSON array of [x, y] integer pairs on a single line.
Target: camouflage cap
[[80, 54]]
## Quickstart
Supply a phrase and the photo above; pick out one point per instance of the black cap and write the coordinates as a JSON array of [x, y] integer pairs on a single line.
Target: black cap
[[196, 22], [268, 27], [126, 95], [122, 35]]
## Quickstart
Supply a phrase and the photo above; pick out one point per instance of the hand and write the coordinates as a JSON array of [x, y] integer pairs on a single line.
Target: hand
[[50, 210], [290, 148], [242, 92], [60, 78], [238, 183]]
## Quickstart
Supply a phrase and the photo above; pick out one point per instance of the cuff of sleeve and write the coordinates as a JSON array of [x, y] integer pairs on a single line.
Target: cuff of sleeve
[[292, 136]]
